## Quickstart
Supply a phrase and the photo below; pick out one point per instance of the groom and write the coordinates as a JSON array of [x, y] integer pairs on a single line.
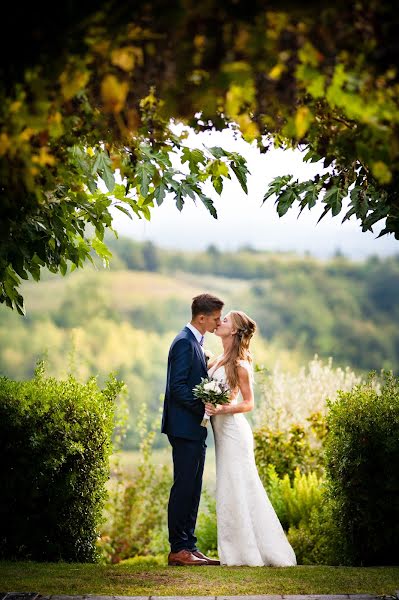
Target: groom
[[181, 421]]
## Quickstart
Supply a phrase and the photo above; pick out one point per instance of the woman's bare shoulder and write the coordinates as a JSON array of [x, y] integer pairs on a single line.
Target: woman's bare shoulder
[[245, 369], [245, 364]]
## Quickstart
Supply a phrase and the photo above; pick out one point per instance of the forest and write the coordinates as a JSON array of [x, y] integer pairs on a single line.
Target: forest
[[122, 319]]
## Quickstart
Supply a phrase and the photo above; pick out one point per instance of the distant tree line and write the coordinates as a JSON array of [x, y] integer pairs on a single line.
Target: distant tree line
[[336, 307]]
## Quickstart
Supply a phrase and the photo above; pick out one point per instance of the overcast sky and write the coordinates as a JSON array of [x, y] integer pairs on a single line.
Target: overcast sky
[[242, 220]]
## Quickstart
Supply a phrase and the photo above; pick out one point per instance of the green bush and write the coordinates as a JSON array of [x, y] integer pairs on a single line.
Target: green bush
[[305, 513], [206, 530], [362, 458], [294, 501], [316, 539], [55, 445], [296, 447], [136, 511]]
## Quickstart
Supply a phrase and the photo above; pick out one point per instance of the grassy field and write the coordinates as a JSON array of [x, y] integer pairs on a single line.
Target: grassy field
[[129, 459], [134, 578], [126, 288]]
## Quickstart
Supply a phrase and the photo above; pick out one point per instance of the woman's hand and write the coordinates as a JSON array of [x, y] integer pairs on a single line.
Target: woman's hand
[[212, 410]]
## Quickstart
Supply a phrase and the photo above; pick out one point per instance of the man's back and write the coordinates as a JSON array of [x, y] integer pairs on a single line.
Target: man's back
[[183, 413]]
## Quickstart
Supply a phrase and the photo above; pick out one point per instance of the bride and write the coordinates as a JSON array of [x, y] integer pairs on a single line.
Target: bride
[[249, 532]]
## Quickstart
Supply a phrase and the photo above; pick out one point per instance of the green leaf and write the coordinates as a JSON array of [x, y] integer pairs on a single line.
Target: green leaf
[[124, 210], [311, 196], [159, 193], [103, 166], [34, 270], [119, 192], [19, 267], [325, 211], [144, 173], [146, 212], [218, 168], [217, 184], [186, 189], [241, 174], [101, 250], [285, 201], [312, 156], [333, 197], [348, 215], [20, 307], [179, 200], [11, 276], [208, 204], [276, 186], [193, 157], [216, 151], [63, 267]]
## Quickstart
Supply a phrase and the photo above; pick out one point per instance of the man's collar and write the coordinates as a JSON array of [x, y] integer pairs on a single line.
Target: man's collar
[[194, 330]]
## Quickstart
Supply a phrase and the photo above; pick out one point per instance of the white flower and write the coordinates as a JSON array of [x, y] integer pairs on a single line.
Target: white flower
[[289, 397], [212, 386]]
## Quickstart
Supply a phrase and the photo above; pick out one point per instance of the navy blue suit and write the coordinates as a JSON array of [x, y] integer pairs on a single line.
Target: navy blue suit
[[181, 421]]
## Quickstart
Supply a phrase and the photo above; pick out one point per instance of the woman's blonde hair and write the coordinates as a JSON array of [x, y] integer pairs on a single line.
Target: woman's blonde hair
[[245, 328]]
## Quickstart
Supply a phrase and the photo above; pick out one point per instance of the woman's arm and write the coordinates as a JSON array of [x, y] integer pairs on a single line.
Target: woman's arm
[[247, 404]]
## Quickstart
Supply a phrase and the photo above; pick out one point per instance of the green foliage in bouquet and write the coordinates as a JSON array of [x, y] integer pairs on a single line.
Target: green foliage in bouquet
[[362, 457], [56, 439], [212, 391]]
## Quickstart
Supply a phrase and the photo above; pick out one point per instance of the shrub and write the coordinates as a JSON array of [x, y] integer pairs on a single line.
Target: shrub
[[362, 458], [289, 398], [136, 511], [305, 513], [293, 501], [316, 539], [291, 448], [55, 445], [206, 530]]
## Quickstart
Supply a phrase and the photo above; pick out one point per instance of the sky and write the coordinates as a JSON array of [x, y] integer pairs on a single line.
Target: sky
[[242, 220]]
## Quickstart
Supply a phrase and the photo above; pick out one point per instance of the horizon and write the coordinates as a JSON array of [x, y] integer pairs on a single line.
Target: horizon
[[248, 248]]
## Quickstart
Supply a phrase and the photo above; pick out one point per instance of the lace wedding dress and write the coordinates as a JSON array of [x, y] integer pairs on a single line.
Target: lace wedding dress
[[249, 532]]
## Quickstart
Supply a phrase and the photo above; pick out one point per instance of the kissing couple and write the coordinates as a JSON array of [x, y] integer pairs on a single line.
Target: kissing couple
[[249, 531]]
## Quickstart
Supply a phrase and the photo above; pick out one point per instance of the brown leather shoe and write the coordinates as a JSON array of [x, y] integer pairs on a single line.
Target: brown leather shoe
[[185, 558], [209, 561]]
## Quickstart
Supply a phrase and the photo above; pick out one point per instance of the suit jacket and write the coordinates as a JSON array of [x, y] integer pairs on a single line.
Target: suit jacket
[[182, 412]]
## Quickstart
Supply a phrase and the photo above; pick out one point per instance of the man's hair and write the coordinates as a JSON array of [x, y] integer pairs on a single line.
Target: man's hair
[[205, 304]]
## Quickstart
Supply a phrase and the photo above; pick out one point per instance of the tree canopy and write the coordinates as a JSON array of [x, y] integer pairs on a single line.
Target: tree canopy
[[95, 87]]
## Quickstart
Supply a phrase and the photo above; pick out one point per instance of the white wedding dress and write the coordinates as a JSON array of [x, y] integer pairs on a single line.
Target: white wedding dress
[[249, 531]]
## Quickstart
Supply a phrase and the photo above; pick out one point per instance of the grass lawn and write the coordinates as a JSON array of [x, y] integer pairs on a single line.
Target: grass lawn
[[131, 578]]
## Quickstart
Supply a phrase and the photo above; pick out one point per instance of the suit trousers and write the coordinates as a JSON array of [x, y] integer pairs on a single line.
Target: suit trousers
[[185, 494]]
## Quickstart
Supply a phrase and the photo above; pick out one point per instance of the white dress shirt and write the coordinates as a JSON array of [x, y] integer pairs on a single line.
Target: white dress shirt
[[198, 334]]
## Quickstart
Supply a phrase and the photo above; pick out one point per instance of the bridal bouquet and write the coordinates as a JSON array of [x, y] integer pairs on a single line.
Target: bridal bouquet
[[212, 391]]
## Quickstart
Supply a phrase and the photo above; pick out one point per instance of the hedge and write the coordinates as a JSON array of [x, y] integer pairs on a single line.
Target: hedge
[[55, 440], [362, 464]]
